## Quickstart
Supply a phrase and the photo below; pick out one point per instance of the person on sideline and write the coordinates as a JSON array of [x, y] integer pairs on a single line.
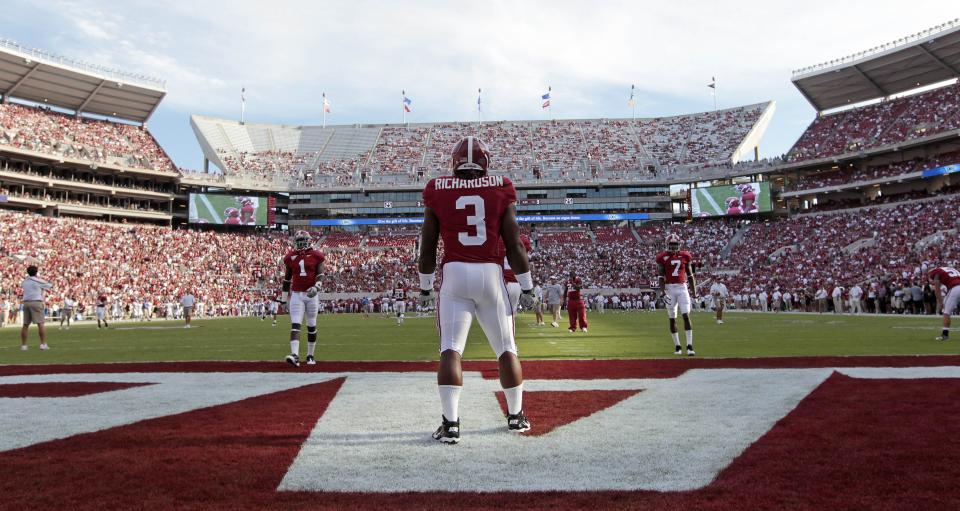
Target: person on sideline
[[187, 301], [33, 288]]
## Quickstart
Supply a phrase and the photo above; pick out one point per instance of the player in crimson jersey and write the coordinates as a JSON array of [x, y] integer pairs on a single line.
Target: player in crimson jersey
[[949, 277], [733, 206], [472, 212], [102, 310], [748, 198], [302, 272], [231, 216], [576, 309], [675, 266], [509, 277], [247, 211]]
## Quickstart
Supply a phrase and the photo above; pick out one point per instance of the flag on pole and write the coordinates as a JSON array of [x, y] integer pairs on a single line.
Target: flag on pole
[[546, 98], [631, 102], [479, 101], [713, 83], [407, 102], [326, 104]]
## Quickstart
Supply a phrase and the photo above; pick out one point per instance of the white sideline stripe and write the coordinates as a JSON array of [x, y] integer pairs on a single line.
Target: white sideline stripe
[[694, 202], [713, 203], [210, 208]]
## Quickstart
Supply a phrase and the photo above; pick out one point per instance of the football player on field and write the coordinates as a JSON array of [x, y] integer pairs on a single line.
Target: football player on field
[[472, 211], [674, 265], [400, 302], [576, 309], [300, 281], [950, 278], [102, 310]]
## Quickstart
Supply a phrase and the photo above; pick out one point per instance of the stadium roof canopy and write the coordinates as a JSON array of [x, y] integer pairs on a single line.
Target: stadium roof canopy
[[917, 60], [40, 77]]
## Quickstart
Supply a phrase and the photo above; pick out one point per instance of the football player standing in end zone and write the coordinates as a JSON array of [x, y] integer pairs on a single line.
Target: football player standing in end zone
[[472, 211], [949, 277], [302, 272], [674, 265]]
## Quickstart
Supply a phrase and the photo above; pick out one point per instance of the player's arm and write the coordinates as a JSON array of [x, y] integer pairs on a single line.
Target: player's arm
[[935, 284], [517, 255], [516, 252], [693, 280], [427, 263], [285, 287], [661, 276]]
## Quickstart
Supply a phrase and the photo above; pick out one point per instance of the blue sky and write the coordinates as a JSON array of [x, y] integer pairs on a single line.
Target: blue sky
[[363, 53]]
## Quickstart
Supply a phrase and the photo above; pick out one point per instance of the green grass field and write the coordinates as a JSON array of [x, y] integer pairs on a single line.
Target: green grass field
[[613, 335]]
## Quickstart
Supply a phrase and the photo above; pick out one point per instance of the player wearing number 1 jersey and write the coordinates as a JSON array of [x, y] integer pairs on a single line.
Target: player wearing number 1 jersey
[[675, 266], [302, 272], [949, 277], [509, 277], [472, 212]]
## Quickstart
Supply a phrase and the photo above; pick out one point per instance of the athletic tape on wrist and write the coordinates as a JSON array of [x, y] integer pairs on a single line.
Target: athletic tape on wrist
[[525, 280], [426, 281]]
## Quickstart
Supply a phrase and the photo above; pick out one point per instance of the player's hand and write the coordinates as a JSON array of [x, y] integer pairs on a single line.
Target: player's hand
[[527, 299], [312, 291], [425, 297]]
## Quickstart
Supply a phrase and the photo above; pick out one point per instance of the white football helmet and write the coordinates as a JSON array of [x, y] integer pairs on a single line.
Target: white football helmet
[[673, 243], [301, 240]]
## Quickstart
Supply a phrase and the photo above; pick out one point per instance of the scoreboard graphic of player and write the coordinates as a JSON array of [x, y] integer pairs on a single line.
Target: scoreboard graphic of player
[[739, 199], [206, 208]]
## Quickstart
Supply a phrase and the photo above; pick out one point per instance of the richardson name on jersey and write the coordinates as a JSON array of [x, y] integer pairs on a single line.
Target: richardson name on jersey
[[452, 183]]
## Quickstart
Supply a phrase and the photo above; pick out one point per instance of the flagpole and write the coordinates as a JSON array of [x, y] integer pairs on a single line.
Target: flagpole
[[403, 105], [550, 107], [479, 109], [243, 103], [633, 105], [324, 110], [714, 80]]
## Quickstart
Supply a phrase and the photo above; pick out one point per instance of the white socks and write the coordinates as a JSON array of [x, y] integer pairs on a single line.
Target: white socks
[[676, 338], [295, 347], [311, 346], [689, 337], [514, 399], [450, 401]]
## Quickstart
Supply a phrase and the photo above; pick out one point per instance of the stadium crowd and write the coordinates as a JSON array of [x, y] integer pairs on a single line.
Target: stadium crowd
[[880, 124], [615, 150], [47, 131], [785, 262]]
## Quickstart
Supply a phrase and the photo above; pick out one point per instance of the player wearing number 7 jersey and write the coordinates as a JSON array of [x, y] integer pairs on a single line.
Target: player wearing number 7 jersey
[[674, 266], [949, 277], [472, 212]]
